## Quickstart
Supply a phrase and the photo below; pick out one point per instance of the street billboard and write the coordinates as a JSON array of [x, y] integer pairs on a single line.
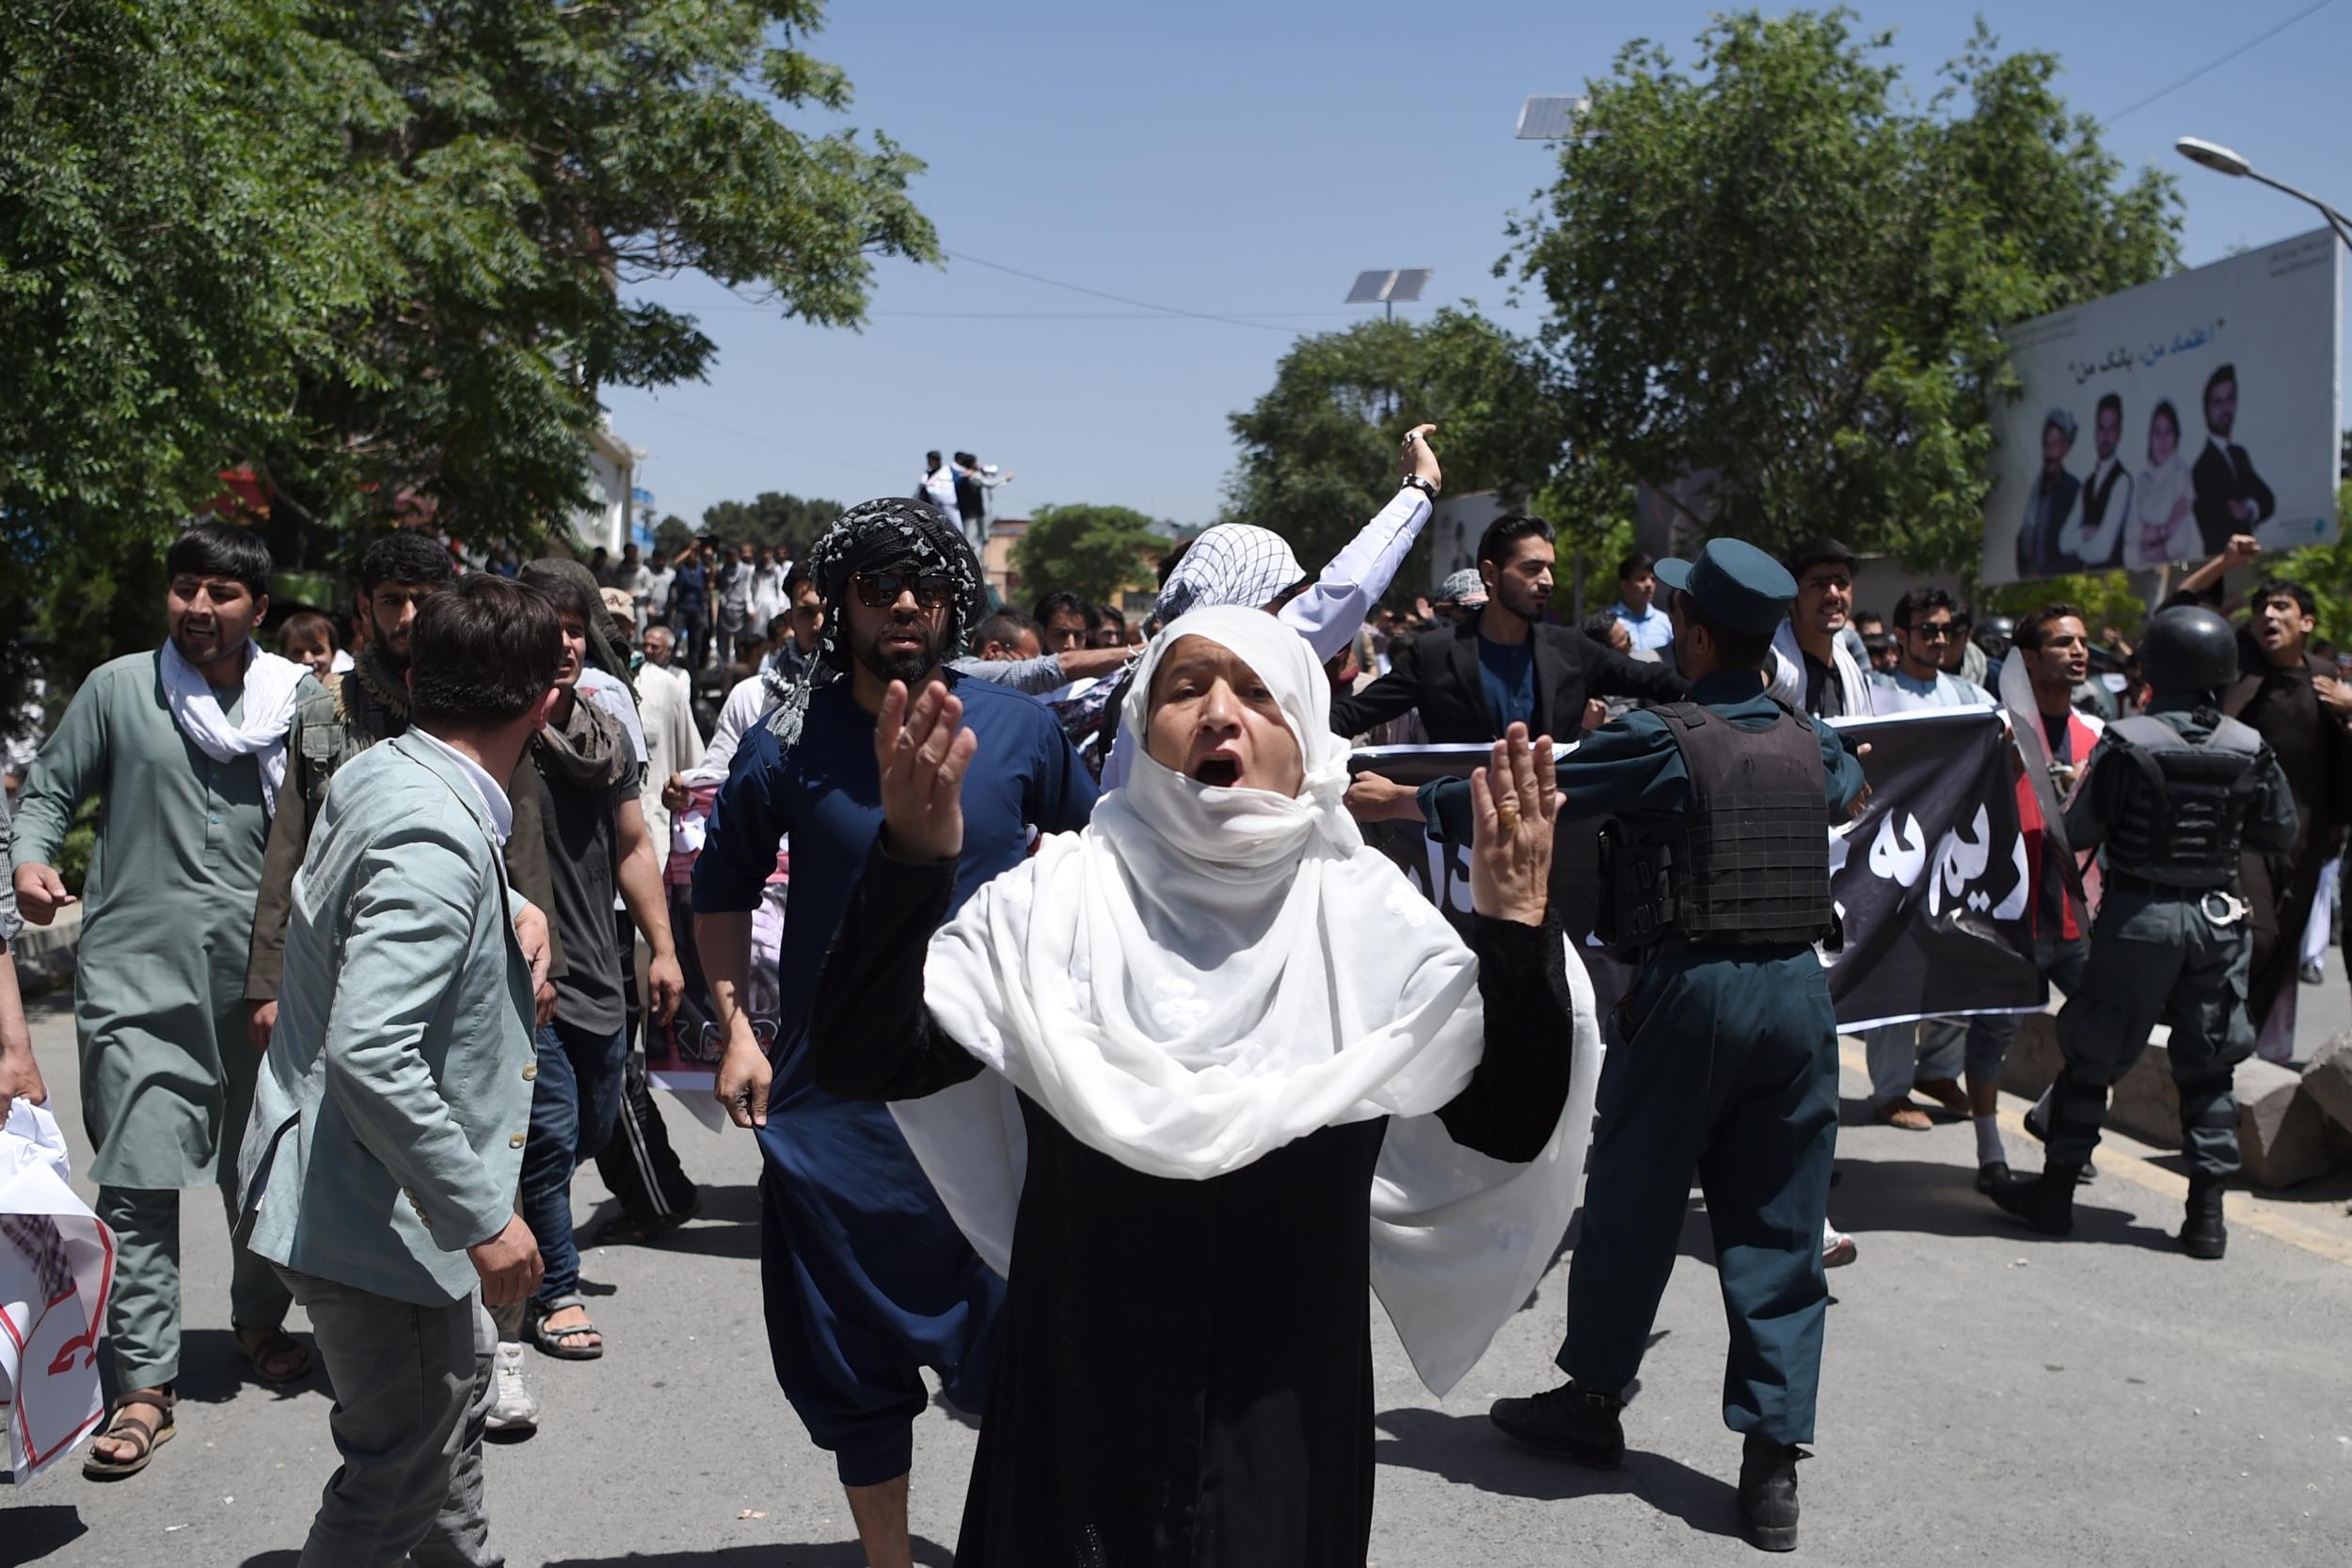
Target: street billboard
[[2157, 422], [1455, 529]]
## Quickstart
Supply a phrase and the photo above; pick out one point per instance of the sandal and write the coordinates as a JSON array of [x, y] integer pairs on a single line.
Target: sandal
[[557, 1341], [1902, 1114], [123, 1427], [1947, 1093], [277, 1355]]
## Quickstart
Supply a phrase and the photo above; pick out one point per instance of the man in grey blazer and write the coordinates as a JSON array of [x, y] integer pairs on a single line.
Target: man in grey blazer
[[379, 1168]]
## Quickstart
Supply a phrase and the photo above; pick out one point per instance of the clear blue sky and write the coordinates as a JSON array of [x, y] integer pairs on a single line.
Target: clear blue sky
[[1248, 159]]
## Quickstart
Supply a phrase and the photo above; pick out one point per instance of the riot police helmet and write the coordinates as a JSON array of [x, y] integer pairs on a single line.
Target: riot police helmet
[[2188, 649], [1996, 634]]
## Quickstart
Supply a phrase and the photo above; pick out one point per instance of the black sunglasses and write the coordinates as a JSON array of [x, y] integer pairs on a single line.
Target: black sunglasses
[[1940, 632], [881, 590]]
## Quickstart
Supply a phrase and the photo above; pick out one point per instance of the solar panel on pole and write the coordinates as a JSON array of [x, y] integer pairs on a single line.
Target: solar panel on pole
[[1551, 119], [1406, 286], [1390, 287]]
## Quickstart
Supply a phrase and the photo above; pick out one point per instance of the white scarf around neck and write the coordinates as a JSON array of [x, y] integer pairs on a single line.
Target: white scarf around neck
[[1204, 975], [271, 689]]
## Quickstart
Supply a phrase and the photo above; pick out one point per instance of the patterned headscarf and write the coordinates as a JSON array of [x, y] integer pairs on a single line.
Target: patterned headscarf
[[1233, 563], [892, 533]]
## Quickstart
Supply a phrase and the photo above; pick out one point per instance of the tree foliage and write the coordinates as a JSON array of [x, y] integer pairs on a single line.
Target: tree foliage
[[785, 522], [1780, 270], [377, 253], [1092, 552], [1319, 450]]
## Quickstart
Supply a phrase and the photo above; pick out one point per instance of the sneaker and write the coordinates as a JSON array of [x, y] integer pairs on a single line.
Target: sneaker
[[1838, 1248], [1578, 1424], [514, 1410]]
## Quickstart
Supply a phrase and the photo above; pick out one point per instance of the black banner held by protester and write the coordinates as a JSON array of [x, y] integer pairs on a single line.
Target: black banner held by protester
[[1931, 882]]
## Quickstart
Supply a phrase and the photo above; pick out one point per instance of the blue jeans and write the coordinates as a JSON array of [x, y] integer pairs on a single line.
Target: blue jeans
[[574, 1102]]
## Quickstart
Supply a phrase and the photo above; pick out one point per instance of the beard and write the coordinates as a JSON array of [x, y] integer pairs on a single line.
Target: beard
[[901, 664]]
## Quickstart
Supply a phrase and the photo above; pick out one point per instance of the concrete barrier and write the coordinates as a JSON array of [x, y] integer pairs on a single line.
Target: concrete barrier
[[2286, 1133]]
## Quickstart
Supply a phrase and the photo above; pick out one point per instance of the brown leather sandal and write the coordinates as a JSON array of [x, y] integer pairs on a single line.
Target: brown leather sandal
[[1902, 1114], [1945, 1092], [123, 1427], [277, 1355]]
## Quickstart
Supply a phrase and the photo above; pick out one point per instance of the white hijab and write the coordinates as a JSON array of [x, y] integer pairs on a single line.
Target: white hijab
[[271, 691], [1204, 975]]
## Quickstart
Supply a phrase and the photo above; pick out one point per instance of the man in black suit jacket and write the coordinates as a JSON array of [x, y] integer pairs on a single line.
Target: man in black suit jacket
[[1505, 652], [2231, 497]]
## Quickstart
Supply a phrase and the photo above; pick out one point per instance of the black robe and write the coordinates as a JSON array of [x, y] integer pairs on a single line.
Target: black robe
[[2315, 752], [1187, 1365]]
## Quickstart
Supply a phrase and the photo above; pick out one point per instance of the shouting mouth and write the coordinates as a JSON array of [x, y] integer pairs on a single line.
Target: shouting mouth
[[1218, 772]]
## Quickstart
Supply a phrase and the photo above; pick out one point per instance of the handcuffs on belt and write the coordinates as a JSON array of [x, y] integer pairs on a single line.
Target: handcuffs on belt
[[2233, 909]]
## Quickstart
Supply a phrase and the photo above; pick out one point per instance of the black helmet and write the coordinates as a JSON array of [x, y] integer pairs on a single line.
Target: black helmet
[[2188, 649], [1995, 635]]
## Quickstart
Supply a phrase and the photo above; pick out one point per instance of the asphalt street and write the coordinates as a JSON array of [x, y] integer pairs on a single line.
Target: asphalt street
[[1989, 1397]]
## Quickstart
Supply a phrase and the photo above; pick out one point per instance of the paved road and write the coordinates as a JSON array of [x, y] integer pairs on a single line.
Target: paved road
[[1989, 1398]]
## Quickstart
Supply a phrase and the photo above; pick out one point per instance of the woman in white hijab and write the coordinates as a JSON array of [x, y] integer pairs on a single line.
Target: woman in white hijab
[[2164, 526], [1163, 1072]]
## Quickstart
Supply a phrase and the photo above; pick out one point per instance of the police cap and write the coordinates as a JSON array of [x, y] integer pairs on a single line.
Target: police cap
[[2188, 649], [1736, 585]]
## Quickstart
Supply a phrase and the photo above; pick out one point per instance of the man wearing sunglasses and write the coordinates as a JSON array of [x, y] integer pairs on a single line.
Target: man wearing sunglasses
[[865, 1276], [1928, 627]]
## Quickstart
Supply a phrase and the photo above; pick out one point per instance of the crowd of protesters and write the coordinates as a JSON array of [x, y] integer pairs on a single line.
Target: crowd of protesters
[[635, 829]]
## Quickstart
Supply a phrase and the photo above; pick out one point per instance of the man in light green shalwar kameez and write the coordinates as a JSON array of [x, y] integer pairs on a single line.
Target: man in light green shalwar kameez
[[184, 748]]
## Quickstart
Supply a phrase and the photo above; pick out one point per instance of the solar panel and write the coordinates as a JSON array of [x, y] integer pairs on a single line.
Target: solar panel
[[1408, 285], [1551, 118], [1371, 288]]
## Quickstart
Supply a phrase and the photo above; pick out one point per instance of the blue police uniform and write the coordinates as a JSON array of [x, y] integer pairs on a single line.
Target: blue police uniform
[[1729, 1067], [1728, 1064]]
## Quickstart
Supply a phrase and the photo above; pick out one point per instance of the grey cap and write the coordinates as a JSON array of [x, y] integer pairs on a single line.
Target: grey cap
[[1465, 587]]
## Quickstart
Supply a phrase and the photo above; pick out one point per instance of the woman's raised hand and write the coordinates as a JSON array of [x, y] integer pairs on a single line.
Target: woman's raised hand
[[921, 751], [1515, 810]]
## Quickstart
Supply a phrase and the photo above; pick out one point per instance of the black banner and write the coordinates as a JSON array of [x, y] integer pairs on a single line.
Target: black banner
[[1931, 882]]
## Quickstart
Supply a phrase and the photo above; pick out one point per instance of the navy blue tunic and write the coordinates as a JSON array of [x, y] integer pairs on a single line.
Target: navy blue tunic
[[865, 1276]]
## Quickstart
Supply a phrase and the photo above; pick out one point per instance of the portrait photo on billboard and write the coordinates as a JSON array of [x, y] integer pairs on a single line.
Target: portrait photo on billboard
[[2155, 424]]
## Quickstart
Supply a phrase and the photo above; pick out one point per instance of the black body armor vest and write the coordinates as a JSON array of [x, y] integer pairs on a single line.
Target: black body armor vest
[[1750, 865], [2180, 808]]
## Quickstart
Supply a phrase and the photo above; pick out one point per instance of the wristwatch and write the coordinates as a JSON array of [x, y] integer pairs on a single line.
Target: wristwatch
[[1417, 483]]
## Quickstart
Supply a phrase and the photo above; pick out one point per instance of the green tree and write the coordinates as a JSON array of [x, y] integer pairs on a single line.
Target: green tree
[[1092, 552], [1781, 270], [1319, 450], [786, 522], [671, 535], [2327, 571], [379, 254]]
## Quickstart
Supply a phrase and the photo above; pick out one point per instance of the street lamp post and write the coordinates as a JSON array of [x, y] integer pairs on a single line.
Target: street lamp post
[[2222, 161]]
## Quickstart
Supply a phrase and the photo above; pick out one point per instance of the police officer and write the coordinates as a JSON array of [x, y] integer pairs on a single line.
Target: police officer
[[1719, 877], [2173, 794]]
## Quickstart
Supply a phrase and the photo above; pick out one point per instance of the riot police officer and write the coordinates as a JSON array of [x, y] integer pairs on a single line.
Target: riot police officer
[[1718, 879], [2173, 794]]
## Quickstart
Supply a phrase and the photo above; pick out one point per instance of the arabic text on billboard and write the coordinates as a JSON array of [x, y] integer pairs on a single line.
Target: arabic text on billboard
[[2157, 422]]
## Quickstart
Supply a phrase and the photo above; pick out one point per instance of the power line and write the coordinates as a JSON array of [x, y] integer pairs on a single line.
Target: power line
[[1245, 317], [1116, 299], [2214, 65], [768, 441]]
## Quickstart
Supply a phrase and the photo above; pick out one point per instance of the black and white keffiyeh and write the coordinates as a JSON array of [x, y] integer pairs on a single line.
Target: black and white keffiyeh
[[1233, 563], [889, 533]]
